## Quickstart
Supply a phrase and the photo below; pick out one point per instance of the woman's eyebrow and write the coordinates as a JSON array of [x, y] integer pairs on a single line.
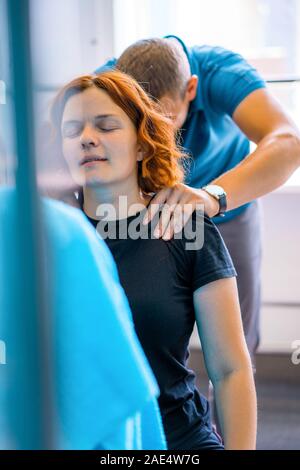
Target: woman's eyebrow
[[75, 122], [71, 121], [99, 116], [103, 116]]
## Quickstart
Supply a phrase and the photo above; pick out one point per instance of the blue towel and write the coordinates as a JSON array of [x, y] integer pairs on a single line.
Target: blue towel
[[104, 390]]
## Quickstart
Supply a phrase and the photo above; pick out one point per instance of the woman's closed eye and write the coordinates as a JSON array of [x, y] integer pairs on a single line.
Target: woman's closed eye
[[106, 124], [103, 128], [71, 129]]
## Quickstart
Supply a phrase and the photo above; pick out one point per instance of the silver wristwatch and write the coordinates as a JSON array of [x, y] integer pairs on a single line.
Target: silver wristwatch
[[219, 194]]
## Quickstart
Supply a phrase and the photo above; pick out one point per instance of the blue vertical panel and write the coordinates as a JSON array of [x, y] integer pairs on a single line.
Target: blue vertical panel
[[28, 387], [6, 140]]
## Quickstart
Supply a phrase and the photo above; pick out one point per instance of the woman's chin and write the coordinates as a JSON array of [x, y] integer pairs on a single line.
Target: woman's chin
[[94, 180]]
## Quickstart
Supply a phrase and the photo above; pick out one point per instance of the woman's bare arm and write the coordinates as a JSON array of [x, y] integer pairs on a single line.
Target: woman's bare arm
[[227, 360]]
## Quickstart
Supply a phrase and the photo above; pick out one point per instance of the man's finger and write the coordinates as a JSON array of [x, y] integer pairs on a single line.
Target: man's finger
[[164, 219], [176, 223], [181, 215], [155, 205], [169, 232]]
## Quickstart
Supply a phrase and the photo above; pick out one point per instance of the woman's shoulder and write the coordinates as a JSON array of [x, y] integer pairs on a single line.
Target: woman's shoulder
[[201, 251], [199, 228], [189, 242]]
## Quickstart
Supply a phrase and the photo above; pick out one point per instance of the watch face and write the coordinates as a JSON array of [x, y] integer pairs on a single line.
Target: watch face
[[215, 189]]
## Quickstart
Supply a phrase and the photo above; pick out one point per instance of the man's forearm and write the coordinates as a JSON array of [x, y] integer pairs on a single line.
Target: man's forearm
[[267, 168], [236, 405]]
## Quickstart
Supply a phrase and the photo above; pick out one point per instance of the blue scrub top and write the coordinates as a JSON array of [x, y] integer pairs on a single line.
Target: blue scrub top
[[209, 134], [100, 374]]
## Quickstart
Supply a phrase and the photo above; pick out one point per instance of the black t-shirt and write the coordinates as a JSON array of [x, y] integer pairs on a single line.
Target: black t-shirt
[[159, 278]]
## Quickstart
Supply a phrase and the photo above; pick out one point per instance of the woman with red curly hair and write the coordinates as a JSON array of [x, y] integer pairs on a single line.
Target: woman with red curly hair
[[120, 148]]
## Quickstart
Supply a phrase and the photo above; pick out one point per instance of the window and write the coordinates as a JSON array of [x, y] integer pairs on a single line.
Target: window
[[265, 32]]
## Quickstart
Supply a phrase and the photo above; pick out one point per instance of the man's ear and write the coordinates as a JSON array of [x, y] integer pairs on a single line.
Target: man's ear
[[191, 88]]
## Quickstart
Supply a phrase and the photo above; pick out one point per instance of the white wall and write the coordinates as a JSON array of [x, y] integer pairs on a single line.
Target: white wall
[[281, 269], [280, 313], [69, 38]]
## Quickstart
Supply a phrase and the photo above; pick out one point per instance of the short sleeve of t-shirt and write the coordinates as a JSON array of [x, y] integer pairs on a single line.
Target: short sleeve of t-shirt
[[227, 78], [203, 256]]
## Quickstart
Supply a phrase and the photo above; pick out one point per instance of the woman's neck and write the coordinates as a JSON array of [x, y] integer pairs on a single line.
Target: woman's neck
[[113, 203]]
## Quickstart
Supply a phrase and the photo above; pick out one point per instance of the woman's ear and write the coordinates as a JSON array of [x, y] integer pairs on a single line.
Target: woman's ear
[[140, 154]]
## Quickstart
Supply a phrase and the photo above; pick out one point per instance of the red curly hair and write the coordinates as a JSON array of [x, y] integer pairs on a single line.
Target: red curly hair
[[162, 163]]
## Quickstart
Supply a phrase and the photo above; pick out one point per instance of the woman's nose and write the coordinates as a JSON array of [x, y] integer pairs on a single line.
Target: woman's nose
[[89, 137]]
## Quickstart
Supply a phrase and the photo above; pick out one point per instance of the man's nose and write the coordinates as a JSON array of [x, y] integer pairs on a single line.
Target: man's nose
[[89, 137]]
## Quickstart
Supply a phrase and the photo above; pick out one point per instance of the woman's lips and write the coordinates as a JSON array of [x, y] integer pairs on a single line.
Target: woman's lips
[[90, 161]]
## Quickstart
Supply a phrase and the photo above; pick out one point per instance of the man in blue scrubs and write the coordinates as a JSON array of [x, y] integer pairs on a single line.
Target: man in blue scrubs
[[219, 103]]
